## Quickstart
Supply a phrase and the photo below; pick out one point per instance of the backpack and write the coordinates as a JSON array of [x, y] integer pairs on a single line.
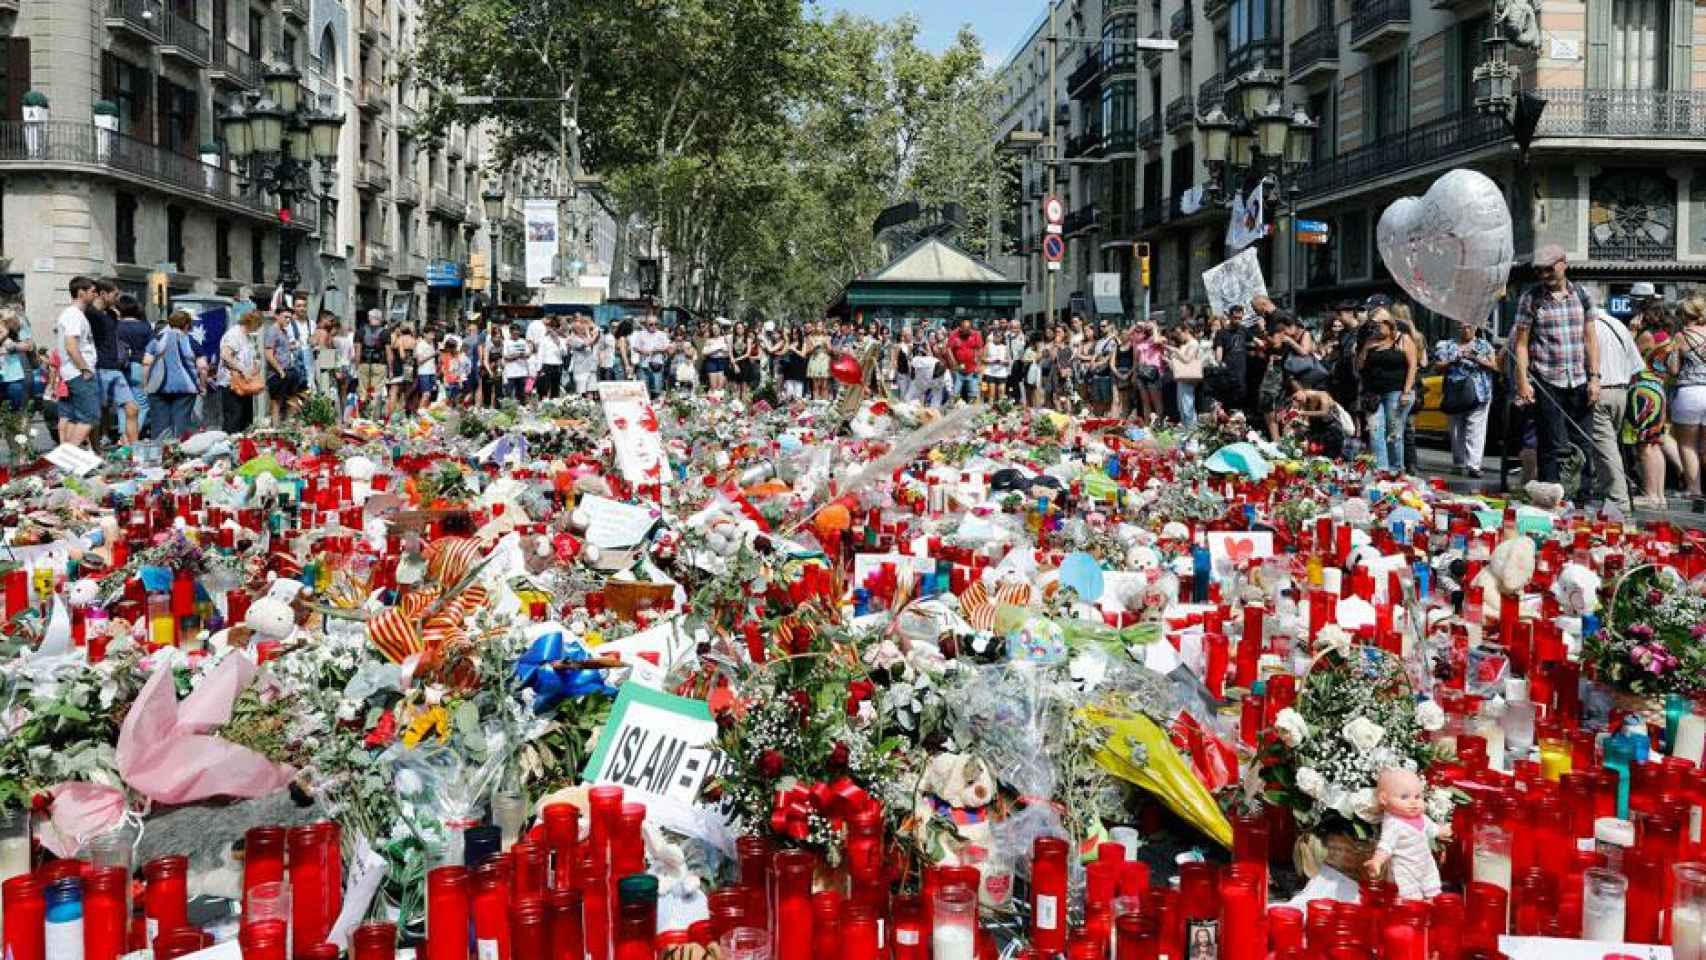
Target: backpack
[[373, 338]]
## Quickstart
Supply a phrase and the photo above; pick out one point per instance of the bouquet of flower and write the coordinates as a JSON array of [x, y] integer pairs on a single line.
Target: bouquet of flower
[[1654, 641], [1354, 717], [804, 749]]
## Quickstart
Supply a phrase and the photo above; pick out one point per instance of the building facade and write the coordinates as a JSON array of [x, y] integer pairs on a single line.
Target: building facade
[[125, 173], [1614, 173]]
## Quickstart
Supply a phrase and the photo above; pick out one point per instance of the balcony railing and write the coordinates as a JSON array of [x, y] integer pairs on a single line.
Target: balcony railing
[[235, 65], [1088, 142], [1209, 92], [371, 176], [1152, 215], [1119, 142], [1180, 28], [1372, 18], [57, 143], [1659, 114], [1086, 72], [448, 205], [1149, 131], [410, 266], [183, 38], [407, 190], [139, 17], [1121, 61], [1649, 250], [1425, 143], [407, 115], [374, 257], [373, 94], [1180, 112], [1114, 8], [295, 9], [1257, 54], [1081, 220], [1316, 50]]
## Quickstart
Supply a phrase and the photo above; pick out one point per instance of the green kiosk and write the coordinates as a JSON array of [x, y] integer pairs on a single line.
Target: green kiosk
[[930, 285]]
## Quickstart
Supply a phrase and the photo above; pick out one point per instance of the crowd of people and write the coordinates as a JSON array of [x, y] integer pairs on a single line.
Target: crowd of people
[[1629, 397]]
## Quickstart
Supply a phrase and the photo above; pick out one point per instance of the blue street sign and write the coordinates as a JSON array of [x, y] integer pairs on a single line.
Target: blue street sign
[[1311, 226]]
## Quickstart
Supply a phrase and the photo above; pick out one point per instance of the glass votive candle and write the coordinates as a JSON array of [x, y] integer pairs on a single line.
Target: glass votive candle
[[953, 934], [1604, 897], [1688, 911], [745, 943]]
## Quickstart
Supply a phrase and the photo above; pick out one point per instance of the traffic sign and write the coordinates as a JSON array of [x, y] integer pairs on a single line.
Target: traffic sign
[[1054, 248], [1054, 211]]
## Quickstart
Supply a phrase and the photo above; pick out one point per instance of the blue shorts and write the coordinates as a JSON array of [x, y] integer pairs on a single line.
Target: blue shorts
[[82, 403], [115, 388]]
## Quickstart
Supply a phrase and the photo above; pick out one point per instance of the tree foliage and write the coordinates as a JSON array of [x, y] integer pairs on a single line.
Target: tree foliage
[[760, 142]]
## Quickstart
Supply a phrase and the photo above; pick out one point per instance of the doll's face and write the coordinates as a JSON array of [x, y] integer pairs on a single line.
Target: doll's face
[[1401, 793]]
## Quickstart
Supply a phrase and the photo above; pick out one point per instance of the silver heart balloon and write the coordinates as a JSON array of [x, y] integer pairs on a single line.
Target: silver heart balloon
[[1450, 249]]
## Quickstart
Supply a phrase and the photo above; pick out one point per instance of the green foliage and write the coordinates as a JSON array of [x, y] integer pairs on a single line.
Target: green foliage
[[759, 142]]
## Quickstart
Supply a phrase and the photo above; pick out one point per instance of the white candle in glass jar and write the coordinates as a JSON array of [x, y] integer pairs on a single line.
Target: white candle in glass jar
[[1690, 738], [1493, 867], [1604, 896], [953, 943], [1687, 934]]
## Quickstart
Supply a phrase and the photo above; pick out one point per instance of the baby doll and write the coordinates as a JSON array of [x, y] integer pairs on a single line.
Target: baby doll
[[1405, 833]]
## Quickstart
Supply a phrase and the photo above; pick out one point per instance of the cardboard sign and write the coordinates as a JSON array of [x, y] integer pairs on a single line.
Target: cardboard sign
[[1552, 948], [1235, 282], [658, 749], [634, 433]]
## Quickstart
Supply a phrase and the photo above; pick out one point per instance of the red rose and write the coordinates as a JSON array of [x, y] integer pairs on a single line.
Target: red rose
[[41, 802], [802, 704], [838, 756], [858, 692], [770, 764]]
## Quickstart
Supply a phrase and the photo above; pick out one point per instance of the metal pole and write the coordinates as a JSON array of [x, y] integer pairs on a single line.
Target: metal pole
[[1052, 147]]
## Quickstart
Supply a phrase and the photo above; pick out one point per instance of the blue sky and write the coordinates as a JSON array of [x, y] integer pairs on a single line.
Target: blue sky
[[1001, 24]]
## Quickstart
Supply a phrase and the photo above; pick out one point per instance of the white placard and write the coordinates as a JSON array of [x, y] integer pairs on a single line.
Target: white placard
[[367, 872], [1235, 282], [1226, 548], [659, 749], [613, 525], [1563, 48], [1552, 948], [540, 216], [73, 459], [634, 432]]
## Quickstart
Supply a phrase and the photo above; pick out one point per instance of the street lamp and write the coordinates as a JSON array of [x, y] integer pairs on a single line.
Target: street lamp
[[1268, 140], [1495, 79], [493, 200], [275, 140]]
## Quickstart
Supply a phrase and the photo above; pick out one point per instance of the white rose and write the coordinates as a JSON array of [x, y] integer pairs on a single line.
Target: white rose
[[1310, 782], [1363, 804], [1291, 726], [1333, 637], [1439, 805], [1363, 733], [1430, 716]]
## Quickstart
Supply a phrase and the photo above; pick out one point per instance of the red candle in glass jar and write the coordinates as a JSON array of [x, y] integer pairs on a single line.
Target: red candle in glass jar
[[448, 913], [373, 941], [1241, 929], [263, 856], [165, 899], [594, 879], [568, 937], [1048, 894], [309, 918], [794, 871], [106, 908], [490, 890], [562, 835], [529, 929], [25, 918], [1250, 646], [827, 907], [1215, 653]]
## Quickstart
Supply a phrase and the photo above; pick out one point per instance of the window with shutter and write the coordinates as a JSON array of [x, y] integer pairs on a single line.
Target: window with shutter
[[16, 81], [1638, 45]]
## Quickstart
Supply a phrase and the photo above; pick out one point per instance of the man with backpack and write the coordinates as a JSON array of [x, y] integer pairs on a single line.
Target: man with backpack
[[1557, 359], [372, 373]]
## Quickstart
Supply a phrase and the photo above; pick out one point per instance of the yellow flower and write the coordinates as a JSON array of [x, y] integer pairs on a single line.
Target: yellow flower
[[435, 721]]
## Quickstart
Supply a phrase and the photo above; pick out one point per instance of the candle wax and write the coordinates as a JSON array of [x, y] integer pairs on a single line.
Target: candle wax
[[1688, 934], [952, 943]]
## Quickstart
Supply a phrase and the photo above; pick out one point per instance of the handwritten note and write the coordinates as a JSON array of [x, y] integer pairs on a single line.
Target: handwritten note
[[612, 525]]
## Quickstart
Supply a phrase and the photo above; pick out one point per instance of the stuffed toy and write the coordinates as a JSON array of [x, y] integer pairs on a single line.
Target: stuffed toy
[[958, 787], [1406, 833]]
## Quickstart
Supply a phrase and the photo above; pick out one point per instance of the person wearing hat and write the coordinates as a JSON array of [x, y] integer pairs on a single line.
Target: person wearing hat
[[1557, 359]]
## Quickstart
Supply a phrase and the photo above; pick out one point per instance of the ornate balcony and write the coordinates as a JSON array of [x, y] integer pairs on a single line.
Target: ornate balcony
[[1181, 112], [1181, 25], [1209, 92], [1658, 114], [1426, 143], [1085, 144], [371, 96], [407, 191], [184, 40], [375, 258], [1378, 23], [139, 18], [234, 67], [1152, 57], [1088, 71], [410, 267], [1316, 53], [1149, 132], [1081, 221], [372, 177], [1257, 54], [448, 205], [60, 145], [294, 9]]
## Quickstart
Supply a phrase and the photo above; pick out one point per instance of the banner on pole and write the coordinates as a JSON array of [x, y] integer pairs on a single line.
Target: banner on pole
[[540, 214]]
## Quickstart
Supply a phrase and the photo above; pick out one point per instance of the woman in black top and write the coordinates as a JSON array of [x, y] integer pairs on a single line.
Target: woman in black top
[[1387, 363], [794, 364]]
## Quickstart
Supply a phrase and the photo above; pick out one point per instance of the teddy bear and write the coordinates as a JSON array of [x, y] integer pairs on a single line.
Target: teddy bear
[[958, 787]]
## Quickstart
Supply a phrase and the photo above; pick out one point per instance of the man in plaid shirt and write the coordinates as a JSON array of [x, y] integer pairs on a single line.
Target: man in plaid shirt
[[1557, 359]]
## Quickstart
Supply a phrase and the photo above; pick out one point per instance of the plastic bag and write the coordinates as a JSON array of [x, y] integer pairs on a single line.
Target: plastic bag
[[1139, 751], [1000, 712]]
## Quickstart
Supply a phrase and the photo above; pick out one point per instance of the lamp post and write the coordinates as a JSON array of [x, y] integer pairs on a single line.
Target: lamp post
[[1265, 139], [493, 200], [275, 140], [1495, 78]]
